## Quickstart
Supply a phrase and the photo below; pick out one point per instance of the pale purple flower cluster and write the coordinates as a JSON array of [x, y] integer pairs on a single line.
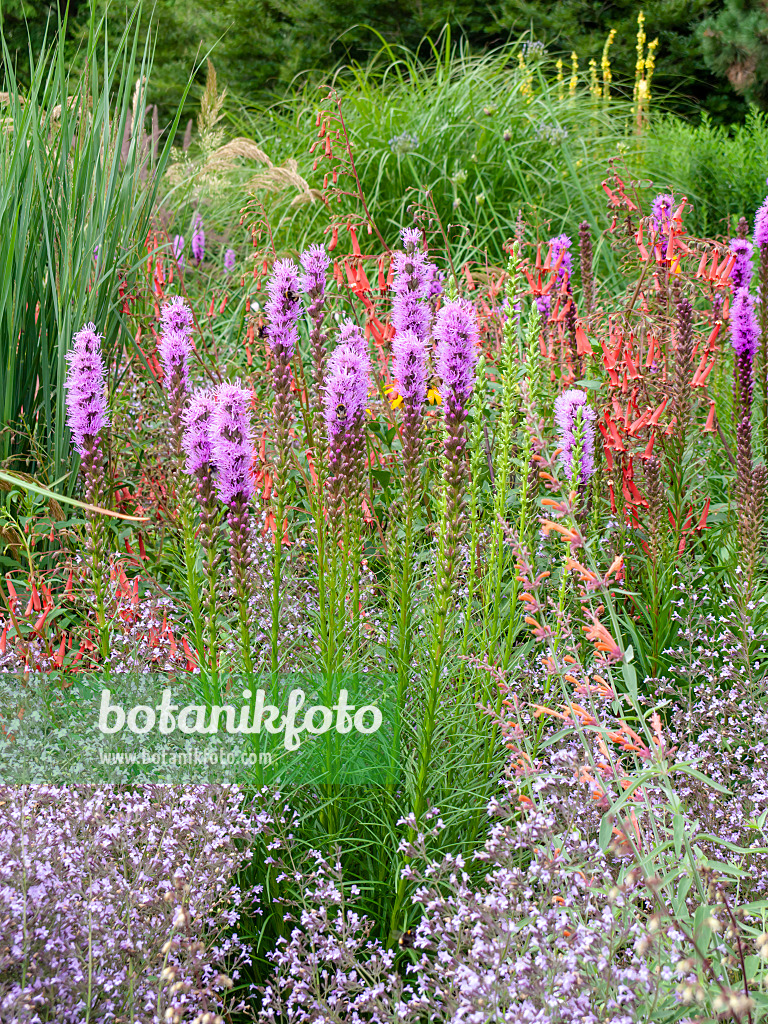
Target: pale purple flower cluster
[[661, 210], [178, 249], [91, 882], [198, 238], [562, 244], [544, 304], [86, 398], [745, 331], [741, 272], [232, 443], [229, 259], [283, 309], [176, 316], [456, 348], [315, 262], [197, 431], [175, 348], [346, 392], [410, 367], [354, 336], [761, 224], [414, 282], [567, 407]]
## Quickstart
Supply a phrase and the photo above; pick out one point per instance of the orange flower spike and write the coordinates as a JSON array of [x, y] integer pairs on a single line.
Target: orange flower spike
[[570, 660]]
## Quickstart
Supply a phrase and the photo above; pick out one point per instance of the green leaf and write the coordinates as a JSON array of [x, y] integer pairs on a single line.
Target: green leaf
[[37, 489]]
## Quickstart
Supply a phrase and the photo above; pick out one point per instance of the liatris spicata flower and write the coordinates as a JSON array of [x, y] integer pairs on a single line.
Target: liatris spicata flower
[[87, 413], [315, 261], [761, 241], [178, 249], [175, 348], [744, 338], [412, 284], [741, 272], [569, 407], [198, 419], [586, 259], [657, 515], [232, 452], [283, 309], [88, 419], [561, 244], [198, 238], [681, 389], [229, 259], [543, 305], [354, 336], [346, 397], [661, 211]]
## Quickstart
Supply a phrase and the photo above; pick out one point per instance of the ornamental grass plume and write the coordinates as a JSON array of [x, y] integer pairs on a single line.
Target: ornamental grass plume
[[575, 421], [232, 451], [175, 348], [88, 420], [197, 446]]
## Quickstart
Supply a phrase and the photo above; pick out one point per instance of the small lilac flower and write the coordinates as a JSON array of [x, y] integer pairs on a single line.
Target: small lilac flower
[[229, 259], [232, 443], [661, 210], [744, 327], [178, 249], [197, 431], [410, 367], [567, 406], [561, 244], [741, 272], [456, 344], [761, 224], [86, 400], [435, 281]]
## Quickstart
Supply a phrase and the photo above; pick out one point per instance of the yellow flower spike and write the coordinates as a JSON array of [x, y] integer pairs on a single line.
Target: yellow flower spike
[[574, 74], [605, 64], [560, 80]]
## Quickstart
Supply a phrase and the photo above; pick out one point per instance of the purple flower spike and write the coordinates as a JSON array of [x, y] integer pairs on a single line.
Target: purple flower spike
[[197, 431], [346, 391], [176, 316], [744, 327], [283, 309], [561, 244], [411, 238], [544, 304], [661, 210], [354, 336], [198, 238], [761, 224], [178, 248], [457, 338], [174, 349], [86, 401], [232, 444], [410, 366], [567, 406], [741, 272], [315, 261], [229, 259]]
